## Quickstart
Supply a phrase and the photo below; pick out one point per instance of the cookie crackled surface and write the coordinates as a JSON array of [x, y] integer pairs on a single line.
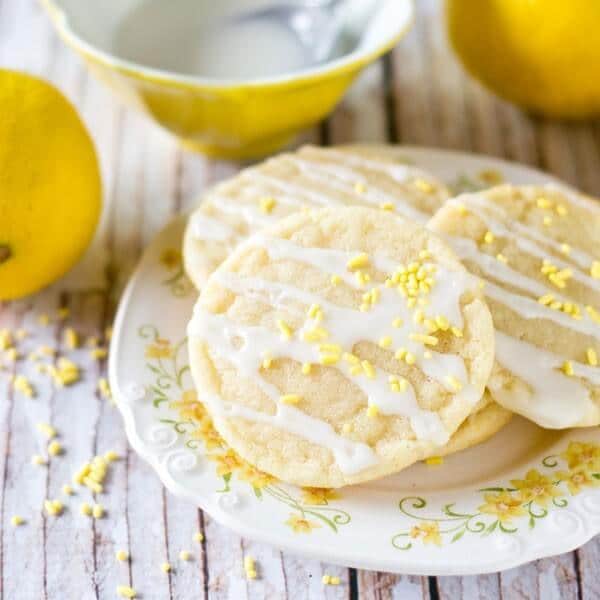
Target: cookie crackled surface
[[538, 249], [340, 345]]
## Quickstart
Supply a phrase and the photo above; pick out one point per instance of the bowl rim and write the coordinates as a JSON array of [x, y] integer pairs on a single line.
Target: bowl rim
[[343, 64]]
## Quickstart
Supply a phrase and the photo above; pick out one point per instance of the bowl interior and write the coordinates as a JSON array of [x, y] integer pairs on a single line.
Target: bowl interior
[[170, 37]]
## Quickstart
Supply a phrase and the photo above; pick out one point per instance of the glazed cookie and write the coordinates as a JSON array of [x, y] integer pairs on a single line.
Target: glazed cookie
[[537, 249], [316, 177], [340, 345]]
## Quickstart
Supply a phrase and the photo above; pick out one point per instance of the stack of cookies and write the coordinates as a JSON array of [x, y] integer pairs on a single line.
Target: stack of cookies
[[354, 319]]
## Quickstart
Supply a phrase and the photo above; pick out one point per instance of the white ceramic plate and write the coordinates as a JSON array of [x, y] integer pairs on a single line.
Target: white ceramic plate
[[427, 520]]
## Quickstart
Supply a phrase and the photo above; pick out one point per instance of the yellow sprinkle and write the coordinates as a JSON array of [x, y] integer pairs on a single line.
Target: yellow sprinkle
[[267, 204], [547, 221], [16, 520], [267, 361], [290, 398], [434, 460], [53, 507], [489, 237], [397, 322], [368, 369], [184, 555], [424, 186], [315, 334], [428, 340], [285, 329], [362, 278], [356, 370], [12, 355], [561, 210], [501, 258], [357, 262], [592, 357], [347, 428], [22, 384], [198, 536], [6, 340], [165, 567], [314, 310], [37, 459], [456, 332], [424, 254], [385, 342], [546, 299], [98, 353], [85, 509], [595, 269], [126, 592], [46, 429], [93, 485], [104, 388], [329, 359], [543, 202], [54, 448], [63, 312], [461, 208], [121, 555], [43, 319], [251, 574], [67, 490], [249, 562], [400, 353], [350, 358], [98, 511], [306, 368], [336, 279], [20, 334], [565, 249], [454, 383], [387, 206], [410, 359], [567, 368], [334, 580], [594, 314], [331, 348], [326, 579], [360, 187], [111, 456], [372, 411], [91, 342]]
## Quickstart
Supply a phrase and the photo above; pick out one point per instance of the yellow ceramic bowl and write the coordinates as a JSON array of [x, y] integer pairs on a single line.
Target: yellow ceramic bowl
[[222, 118]]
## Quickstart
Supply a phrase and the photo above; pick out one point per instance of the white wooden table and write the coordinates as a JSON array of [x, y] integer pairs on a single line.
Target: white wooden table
[[418, 95]]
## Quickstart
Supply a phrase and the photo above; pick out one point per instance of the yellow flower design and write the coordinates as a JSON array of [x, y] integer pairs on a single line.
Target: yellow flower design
[[299, 524], [536, 488], [314, 495], [227, 463], [577, 479], [503, 505], [209, 436], [160, 348], [581, 454], [254, 477], [170, 258], [428, 531]]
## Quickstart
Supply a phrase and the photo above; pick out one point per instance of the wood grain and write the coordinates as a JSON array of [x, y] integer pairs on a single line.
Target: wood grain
[[417, 95]]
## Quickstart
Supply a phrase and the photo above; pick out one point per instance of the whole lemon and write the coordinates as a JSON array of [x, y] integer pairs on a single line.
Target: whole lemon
[[541, 54], [50, 189]]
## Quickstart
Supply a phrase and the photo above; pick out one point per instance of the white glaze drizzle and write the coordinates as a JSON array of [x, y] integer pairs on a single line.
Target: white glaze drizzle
[[555, 400], [526, 307]]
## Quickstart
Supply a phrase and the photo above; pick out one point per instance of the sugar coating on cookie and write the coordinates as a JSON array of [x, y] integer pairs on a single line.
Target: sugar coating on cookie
[[537, 248], [340, 345], [313, 177]]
